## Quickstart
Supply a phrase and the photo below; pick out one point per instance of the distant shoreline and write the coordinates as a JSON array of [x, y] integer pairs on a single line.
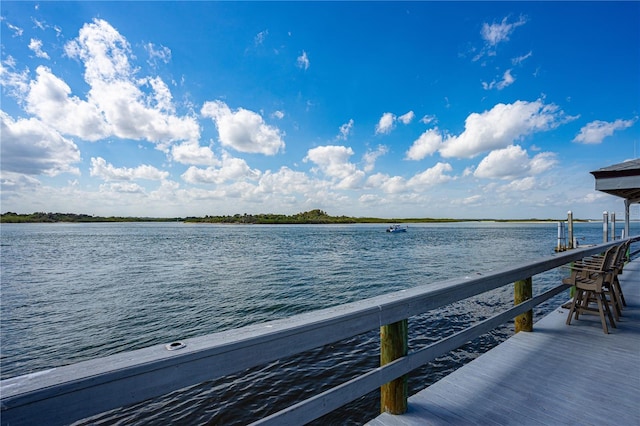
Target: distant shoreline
[[310, 217]]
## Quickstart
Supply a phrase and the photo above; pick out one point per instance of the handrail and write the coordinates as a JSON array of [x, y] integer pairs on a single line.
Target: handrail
[[60, 395]]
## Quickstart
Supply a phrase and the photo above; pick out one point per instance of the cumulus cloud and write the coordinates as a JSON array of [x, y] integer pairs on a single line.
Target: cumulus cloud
[[303, 61], [432, 176], [333, 161], [596, 131], [31, 147], [407, 118], [519, 185], [385, 124], [50, 100], [36, 46], [192, 153], [122, 187], [501, 126], [285, 181], [513, 162], [243, 130], [387, 184], [371, 156], [100, 168], [426, 144], [132, 108], [231, 169]]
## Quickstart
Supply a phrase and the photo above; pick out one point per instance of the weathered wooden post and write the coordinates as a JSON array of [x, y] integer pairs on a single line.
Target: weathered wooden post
[[393, 345], [523, 290], [605, 227], [570, 240], [613, 226]]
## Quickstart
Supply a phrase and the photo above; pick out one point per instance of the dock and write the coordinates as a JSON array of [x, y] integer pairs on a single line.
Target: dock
[[557, 374]]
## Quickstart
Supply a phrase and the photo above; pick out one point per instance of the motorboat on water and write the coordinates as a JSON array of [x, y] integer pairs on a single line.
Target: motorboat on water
[[397, 228]]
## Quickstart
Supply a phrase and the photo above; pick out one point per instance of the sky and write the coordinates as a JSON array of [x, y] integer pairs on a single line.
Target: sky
[[365, 109]]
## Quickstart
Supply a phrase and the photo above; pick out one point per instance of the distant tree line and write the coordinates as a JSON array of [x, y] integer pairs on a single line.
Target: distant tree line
[[316, 216], [41, 217]]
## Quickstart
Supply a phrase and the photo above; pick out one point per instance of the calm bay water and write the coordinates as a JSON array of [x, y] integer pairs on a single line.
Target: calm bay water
[[71, 292]]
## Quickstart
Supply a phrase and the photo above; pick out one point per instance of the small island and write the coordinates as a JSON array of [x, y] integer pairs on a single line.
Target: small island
[[315, 216]]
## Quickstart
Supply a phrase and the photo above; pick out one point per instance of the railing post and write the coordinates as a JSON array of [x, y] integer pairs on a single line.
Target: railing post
[[523, 290], [393, 345]]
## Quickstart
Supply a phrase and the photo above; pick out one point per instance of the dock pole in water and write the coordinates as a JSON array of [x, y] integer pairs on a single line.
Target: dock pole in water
[[605, 227], [562, 245], [570, 241], [613, 226]]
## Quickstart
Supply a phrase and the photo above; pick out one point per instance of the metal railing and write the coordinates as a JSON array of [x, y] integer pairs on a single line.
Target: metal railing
[[70, 393]]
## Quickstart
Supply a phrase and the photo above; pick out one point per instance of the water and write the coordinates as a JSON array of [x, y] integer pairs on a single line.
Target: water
[[72, 292]]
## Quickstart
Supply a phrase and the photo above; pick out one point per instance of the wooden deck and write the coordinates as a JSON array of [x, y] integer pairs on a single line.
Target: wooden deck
[[558, 374]]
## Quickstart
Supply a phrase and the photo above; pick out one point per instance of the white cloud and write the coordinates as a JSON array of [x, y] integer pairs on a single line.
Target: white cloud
[[36, 46], [426, 144], [122, 187], [278, 114], [507, 80], [157, 53], [519, 185], [501, 126], [385, 124], [49, 99], [16, 83], [513, 162], [387, 184], [427, 119], [520, 59], [243, 130], [493, 34], [596, 131], [129, 112], [371, 156], [192, 153], [17, 31], [407, 118], [31, 147], [100, 168], [332, 160], [285, 181], [345, 130], [303, 61], [260, 37], [232, 169], [432, 176]]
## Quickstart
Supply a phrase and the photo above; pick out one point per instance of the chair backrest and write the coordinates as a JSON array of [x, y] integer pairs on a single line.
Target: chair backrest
[[610, 257]]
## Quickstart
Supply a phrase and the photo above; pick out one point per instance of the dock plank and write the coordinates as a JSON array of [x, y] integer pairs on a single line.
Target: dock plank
[[557, 374]]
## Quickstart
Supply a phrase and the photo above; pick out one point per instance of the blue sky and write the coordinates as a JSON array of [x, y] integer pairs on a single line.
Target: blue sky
[[386, 109]]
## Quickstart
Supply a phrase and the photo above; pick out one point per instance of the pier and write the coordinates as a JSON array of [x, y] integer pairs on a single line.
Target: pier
[[541, 372], [558, 374]]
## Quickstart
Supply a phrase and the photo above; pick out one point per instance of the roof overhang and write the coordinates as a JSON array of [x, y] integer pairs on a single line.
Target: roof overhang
[[621, 180]]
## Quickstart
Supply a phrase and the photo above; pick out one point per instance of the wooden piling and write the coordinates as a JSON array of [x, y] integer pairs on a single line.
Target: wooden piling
[[523, 290], [394, 345]]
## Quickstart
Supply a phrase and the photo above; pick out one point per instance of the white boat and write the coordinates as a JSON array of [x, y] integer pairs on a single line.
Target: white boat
[[397, 228]]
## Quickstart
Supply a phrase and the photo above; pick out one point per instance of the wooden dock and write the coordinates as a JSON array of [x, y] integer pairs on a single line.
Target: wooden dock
[[557, 374]]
